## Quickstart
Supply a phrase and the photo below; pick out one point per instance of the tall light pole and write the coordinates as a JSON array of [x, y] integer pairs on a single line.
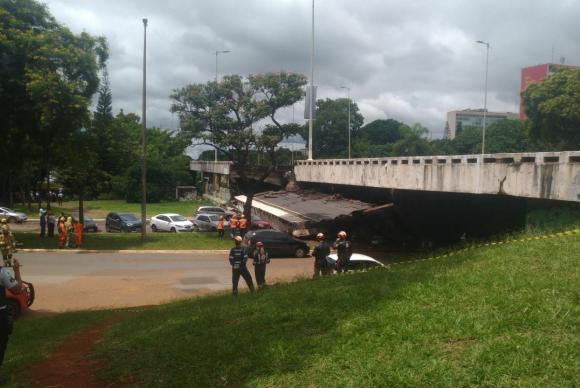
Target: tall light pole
[[215, 152], [311, 102], [144, 139], [348, 94], [486, 44]]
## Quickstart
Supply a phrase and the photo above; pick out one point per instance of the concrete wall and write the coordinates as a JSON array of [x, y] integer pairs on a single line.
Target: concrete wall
[[222, 168], [554, 175]]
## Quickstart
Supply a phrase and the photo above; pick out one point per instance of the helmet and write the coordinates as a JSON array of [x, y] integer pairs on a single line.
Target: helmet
[[221, 218], [3, 221], [69, 219], [61, 219], [259, 244], [320, 236], [243, 216], [238, 239], [342, 234]]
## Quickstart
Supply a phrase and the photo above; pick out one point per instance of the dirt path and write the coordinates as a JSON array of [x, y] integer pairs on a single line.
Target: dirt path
[[70, 364]]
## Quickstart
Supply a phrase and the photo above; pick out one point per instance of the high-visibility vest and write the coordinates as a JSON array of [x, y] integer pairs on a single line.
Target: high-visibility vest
[[220, 224], [234, 223], [243, 223]]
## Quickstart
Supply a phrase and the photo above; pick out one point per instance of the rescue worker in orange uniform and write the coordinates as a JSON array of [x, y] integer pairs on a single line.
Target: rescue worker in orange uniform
[[220, 228], [78, 233], [61, 232], [234, 226], [243, 225]]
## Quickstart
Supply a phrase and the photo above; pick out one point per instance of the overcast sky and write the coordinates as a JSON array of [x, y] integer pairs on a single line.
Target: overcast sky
[[409, 60]]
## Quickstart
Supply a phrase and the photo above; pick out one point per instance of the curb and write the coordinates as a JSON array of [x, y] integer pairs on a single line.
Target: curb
[[129, 251]]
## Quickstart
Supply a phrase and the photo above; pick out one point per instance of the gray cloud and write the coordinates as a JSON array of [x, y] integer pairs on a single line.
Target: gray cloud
[[411, 61]]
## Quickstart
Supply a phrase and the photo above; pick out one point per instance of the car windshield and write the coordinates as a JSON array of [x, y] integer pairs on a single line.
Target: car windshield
[[214, 218], [178, 218], [128, 217]]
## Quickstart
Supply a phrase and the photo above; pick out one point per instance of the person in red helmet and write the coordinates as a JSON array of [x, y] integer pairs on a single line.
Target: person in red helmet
[[343, 248], [238, 258], [261, 258], [320, 253]]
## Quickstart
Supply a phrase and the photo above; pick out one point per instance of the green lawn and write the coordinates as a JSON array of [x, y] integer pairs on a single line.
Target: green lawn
[[120, 241], [99, 209], [494, 316]]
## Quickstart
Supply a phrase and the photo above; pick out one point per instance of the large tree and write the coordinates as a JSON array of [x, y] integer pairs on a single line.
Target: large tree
[[553, 109], [47, 78], [238, 116]]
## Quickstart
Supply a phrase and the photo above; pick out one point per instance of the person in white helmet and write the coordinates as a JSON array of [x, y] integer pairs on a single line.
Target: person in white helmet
[[320, 253], [238, 258], [343, 248]]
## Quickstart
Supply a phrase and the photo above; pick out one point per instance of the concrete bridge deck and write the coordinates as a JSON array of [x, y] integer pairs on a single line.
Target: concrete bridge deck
[[547, 175]]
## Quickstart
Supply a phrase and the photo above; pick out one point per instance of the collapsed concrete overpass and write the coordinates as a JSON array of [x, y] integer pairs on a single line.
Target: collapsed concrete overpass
[[544, 175]]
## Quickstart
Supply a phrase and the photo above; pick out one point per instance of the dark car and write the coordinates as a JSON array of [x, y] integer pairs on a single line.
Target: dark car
[[89, 225], [258, 223], [122, 222], [277, 243]]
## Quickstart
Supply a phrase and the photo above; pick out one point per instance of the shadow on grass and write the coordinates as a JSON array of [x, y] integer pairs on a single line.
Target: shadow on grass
[[221, 340]]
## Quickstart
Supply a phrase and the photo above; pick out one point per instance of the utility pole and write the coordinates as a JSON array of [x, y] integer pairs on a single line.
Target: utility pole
[[348, 94], [311, 102], [486, 44], [215, 151], [144, 139]]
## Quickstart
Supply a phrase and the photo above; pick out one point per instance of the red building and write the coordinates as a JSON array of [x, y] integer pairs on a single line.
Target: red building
[[536, 74]]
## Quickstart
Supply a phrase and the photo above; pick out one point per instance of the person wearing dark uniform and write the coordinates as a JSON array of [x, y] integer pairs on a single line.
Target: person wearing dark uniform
[[238, 259], [343, 251], [320, 253], [14, 284], [261, 258]]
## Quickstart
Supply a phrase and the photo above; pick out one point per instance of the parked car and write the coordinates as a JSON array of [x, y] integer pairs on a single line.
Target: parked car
[[357, 261], [12, 216], [207, 222], [89, 225], [122, 222], [170, 222], [277, 243], [16, 304], [258, 223], [211, 210]]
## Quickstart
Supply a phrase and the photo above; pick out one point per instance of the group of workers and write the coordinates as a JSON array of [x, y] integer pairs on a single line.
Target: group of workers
[[7, 242], [237, 226], [239, 255], [70, 232]]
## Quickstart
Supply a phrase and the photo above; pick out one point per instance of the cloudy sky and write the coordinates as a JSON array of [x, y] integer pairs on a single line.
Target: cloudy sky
[[409, 60]]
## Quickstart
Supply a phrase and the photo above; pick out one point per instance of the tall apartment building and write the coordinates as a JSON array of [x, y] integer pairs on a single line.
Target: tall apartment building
[[458, 119]]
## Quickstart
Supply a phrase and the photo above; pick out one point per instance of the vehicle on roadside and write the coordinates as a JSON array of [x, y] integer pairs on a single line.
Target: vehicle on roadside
[[258, 223], [122, 222], [171, 222], [277, 243], [89, 225], [16, 304], [211, 210], [207, 222], [357, 262], [12, 216]]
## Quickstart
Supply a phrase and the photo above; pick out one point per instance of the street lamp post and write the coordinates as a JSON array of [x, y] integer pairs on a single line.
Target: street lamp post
[[348, 94], [486, 44], [144, 139], [311, 102], [215, 154]]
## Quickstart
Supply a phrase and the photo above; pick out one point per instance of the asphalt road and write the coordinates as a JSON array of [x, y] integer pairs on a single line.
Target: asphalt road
[[78, 281]]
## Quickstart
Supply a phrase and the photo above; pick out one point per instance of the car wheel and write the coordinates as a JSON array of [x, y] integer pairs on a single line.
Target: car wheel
[[12, 309], [300, 253], [154, 227], [195, 228], [107, 229], [173, 230], [12, 219]]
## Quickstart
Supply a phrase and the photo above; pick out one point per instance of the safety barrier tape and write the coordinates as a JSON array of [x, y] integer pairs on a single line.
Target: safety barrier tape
[[492, 243]]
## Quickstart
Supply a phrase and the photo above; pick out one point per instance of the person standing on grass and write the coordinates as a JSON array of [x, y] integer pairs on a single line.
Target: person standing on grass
[[78, 232], [50, 222], [320, 253], [238, 258], [220, 228], [261, 258], [243, 225], [69, 232], [234, 226], [61, 232], [343, 251], [14, 284], [42, 221]]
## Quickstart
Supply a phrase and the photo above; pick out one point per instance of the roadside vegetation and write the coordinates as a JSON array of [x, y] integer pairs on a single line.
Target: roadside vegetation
[[497, 315]]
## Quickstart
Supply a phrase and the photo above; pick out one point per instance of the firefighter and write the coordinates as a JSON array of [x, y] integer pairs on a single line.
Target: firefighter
[[321, 252], [343, 250], [238, 258], [69, 232], [261, 258], [234, 226], [220, 228], [78, 233], [14, 284], [6, 245], [61, 232], [243, 224]]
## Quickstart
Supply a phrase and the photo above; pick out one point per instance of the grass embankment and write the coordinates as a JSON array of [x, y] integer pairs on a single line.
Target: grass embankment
[[124, 241], [498, 315], [100, 209]]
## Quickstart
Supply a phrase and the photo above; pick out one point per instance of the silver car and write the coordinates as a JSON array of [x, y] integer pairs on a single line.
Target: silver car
[[206, 222], [12, 216]]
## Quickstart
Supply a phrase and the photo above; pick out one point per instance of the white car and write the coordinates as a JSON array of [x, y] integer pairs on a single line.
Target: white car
[[170, 222]]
